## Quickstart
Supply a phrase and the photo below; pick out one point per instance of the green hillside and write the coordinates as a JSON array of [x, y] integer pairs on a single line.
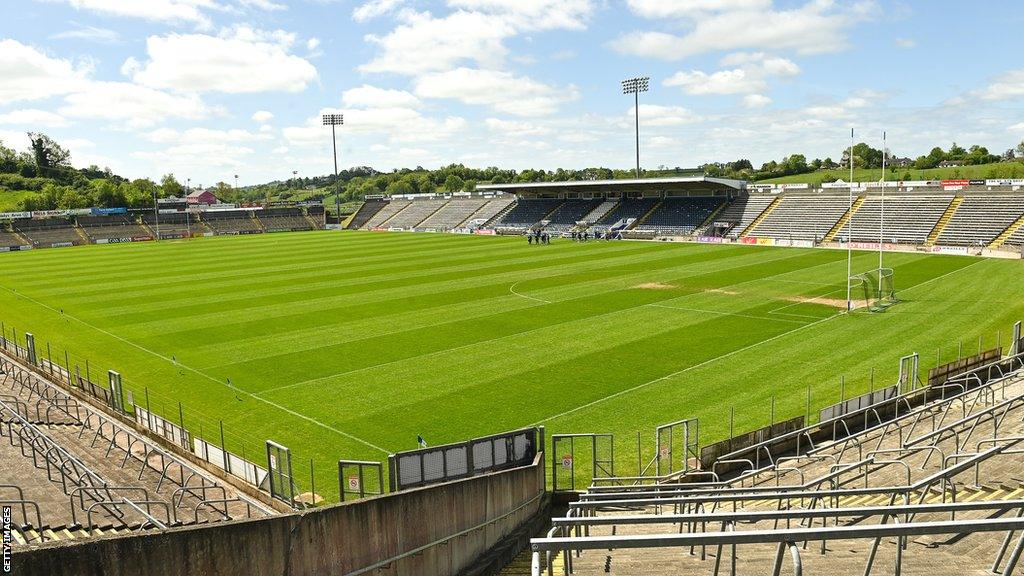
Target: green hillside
[[979, 172]]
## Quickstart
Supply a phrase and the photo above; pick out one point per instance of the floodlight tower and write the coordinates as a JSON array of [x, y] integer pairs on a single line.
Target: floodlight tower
[[333, 120], [635, 86]]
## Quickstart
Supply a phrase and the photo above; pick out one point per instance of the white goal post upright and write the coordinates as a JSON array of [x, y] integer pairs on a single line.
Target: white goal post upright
[[881, 217], [849, 235]]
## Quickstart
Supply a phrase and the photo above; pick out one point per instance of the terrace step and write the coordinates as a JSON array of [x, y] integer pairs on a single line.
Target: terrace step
[[646, 215], [846, 218], [933, 236], [760, 218], [1005, 234]]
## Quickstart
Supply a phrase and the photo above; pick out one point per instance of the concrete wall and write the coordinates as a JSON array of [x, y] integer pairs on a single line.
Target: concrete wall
[[332, 541]]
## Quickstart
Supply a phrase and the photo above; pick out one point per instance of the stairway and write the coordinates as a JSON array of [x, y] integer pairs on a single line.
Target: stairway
[[256, 219], [24, 241], [646, 215], [81, 234], [430, 215], [392, 217], [601, 211], [933, 236], [699, 230], [1005, 234], [842, 221], [148, 229], [497, 217], [760, 218], [520, 566], [312, 222]]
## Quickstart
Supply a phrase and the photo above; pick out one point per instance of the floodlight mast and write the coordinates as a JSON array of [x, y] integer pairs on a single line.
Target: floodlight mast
[[635, 86], [333, 120], [881, 219]]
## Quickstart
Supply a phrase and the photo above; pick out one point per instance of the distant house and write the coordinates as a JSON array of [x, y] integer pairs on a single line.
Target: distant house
[[900, 162], [950, 163], [201, 197]]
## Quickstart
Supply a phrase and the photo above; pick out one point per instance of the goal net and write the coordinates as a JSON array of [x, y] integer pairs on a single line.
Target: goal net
[[874, 290]]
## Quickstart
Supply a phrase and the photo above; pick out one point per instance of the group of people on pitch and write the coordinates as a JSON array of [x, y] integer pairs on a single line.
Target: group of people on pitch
[[538, 237]]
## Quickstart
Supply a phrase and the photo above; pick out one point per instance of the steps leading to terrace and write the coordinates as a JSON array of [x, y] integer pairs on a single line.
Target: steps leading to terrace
[[436, 210], [646, 215], [1002, 238], [846, 218], [392, 217], [699, 230], [760, 218], [946, 217], [501, 214], [81, 234]]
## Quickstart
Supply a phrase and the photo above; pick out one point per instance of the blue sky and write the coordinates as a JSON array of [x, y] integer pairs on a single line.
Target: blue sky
[[211, 88]]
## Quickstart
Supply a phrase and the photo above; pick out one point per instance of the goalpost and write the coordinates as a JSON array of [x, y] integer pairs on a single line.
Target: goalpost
[[874, 290]]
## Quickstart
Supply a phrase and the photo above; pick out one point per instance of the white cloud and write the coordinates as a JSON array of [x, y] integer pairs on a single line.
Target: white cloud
[[534, 14], [397, 124], [819, 26], [423, 43], [89, 33], [658, 116], [906, 43], [154, 10], [502, 91], [267, 5], [28, 74], [756, 101], [1008, 85], [516, 127], [33, 119], [135, 106], [374, 8], [202, 136], [263, 116], [658, 9], [312, 44], [367, 96], [751, 77], [241, 60]]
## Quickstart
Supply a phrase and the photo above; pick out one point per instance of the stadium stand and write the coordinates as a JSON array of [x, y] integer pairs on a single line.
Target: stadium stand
[[386, 212], [417, 211], [73, 471], [600, 211], [232, 222], [908, 219], [527, 212], [492, 211], [571, 211], [924, 482], [177, 225], [365, 212], [111, 229], [52, 232], [741, 212], [679, 216], [453, 213], [803, 217], [627, 212], [9, 239], [980, 218], [284, 220]]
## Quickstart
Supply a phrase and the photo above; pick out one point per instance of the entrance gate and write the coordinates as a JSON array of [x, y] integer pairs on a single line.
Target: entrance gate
[[909, 377], [568, 460], [680, 439], [279, 467]]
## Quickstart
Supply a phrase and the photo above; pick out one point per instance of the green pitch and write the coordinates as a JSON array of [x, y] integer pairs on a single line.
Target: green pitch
[[349, 345]]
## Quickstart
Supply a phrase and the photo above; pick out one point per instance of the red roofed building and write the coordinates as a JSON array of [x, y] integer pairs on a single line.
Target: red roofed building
[[201, 197]]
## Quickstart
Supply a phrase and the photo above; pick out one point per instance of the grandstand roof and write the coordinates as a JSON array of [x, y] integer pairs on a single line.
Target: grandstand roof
[[678, 184]]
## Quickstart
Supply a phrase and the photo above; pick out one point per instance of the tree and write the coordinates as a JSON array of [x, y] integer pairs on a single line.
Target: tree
[[47, 154], [8, 159], [453, 183], [400, 186], [169, 186], [107, 194], [1020, 149]]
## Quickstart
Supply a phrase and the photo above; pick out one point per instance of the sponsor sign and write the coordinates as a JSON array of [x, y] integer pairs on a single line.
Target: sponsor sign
[[794, 243], [141, 238], [766, 241], [1004, 182], [61, 244], [803, 186], [106, 211], [955, 182], [48, 213], [961, 250], [486, 232], [14, 215], [952, 188], [872, 246], [124, 240], [748, 240], [710, 239], [976, 182]]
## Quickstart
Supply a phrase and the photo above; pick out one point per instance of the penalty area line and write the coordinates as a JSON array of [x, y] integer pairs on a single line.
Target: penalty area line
[[512, 289], [204, 374]]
